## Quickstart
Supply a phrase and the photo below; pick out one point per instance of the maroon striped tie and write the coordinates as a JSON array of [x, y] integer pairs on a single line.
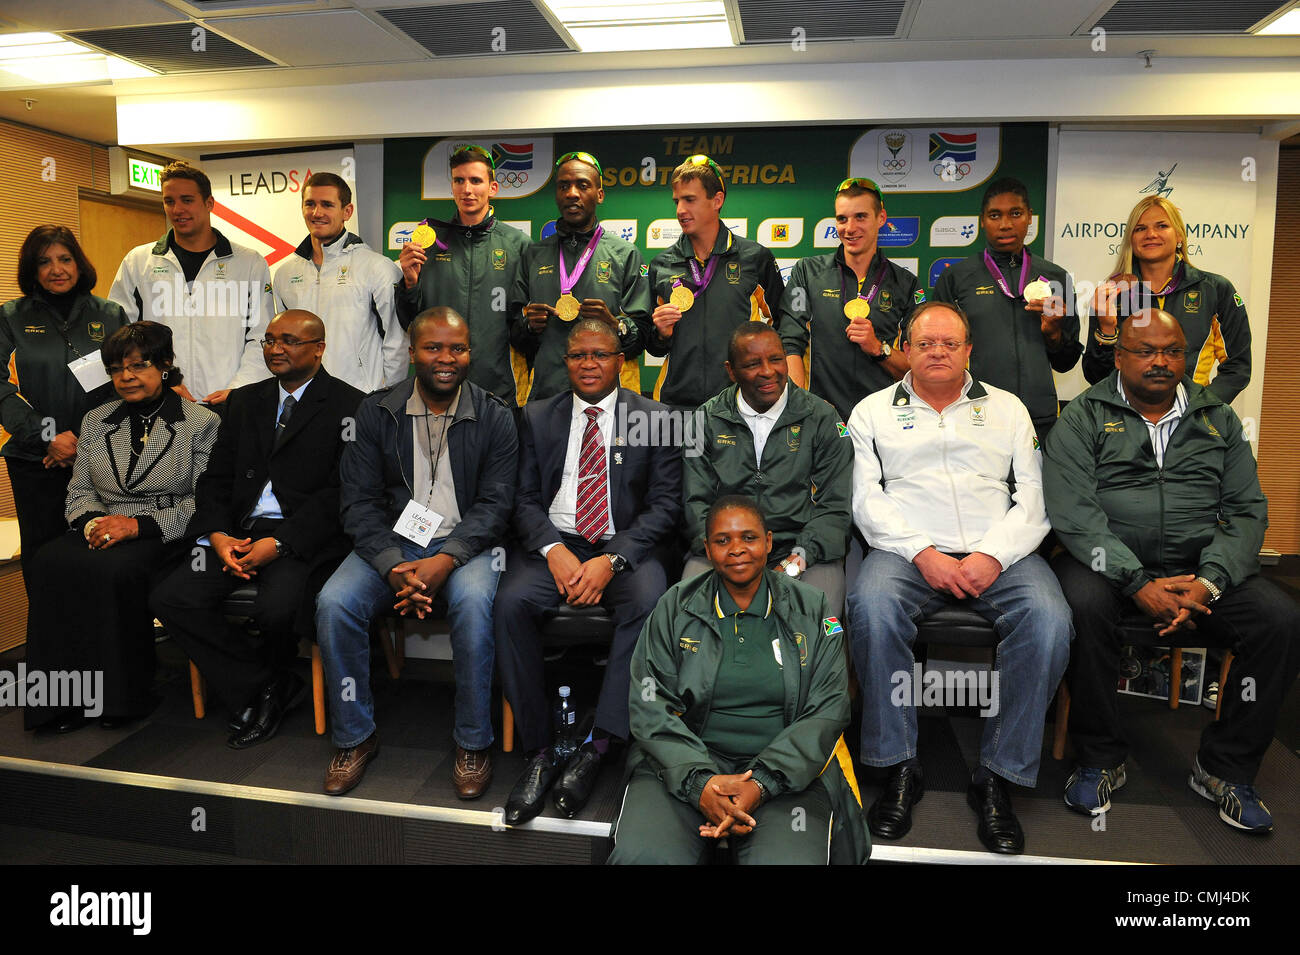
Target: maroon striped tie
[[592, 516]]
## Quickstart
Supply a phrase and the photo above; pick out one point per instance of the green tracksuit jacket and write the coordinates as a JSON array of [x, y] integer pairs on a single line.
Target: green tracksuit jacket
[[804, 487], [746, 286], [812, 319], [615, 274], [673, 670], [1115, 511], [474, 276]]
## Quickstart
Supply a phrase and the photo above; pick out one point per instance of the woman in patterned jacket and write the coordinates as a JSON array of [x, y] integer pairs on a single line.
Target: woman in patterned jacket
[[129, 504]]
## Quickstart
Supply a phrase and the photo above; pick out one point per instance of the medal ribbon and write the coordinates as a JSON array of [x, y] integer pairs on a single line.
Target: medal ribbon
[[437, 225], [567, 280], [871, 295], [1001, 280], [701, 281], [1171, 286]]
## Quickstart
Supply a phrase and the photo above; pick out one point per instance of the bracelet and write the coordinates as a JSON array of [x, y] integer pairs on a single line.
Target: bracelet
[[1110, 339], [762, 790], [1215, 592]]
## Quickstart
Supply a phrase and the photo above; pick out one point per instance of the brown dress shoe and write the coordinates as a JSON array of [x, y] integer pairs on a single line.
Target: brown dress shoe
[[471, 772], [349, 765]]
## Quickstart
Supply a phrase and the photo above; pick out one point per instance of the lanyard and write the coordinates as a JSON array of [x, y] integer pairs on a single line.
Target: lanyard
[[871, 295], [1001, 280], [569, 280]]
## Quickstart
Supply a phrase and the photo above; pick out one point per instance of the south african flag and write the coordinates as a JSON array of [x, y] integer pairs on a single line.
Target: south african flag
[[516, 156], [959, 147]]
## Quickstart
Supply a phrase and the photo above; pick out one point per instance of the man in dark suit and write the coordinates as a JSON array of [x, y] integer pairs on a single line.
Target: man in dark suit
[[598, 491], [268, 510]]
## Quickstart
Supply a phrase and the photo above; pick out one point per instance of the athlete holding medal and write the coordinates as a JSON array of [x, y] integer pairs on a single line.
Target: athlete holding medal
[[1021, 333], [708, 282], [855, 294], [588, 273]]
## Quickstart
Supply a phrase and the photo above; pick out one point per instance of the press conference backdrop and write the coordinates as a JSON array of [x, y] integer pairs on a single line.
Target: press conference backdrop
[[780, 184]]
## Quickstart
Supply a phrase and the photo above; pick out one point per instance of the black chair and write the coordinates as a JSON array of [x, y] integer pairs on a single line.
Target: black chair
[[239, 606], [565, 626], [957, 625]]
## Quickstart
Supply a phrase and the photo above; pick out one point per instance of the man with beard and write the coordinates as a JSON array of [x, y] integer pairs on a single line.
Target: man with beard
[[580, 272], [1151, 487], [427, 490]]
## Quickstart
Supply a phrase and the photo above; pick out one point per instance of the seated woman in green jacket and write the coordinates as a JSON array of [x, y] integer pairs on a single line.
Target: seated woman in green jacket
[[739, 698]]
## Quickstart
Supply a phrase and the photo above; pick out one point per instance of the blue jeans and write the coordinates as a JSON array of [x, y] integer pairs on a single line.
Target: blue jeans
[[1034, 627], [355, 593]]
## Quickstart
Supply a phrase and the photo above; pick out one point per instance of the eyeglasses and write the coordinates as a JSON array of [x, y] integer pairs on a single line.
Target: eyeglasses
[[435, 348], [1173, 353], [588, 158], [861, 183], [950, 346], [702, 160], [135, 368], [478, 150], [288, 342], [578, 357]]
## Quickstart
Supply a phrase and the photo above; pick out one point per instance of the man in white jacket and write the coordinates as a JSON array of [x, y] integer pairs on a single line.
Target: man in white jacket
[[948, 491], [214, 295], [349, 285]]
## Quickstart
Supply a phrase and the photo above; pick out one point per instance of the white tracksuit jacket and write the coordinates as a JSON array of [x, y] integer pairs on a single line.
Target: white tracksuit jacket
[[352, 292]]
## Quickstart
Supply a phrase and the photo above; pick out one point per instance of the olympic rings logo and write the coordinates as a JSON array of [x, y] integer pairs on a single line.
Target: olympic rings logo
[[893, 164], [511, 178], [950, 171]]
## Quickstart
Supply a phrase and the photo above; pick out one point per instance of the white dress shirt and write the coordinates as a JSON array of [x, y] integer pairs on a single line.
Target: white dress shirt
[[761, 423], [564, 507]]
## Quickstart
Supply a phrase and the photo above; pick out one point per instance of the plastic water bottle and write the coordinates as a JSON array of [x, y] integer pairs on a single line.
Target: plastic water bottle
[[566, 726]]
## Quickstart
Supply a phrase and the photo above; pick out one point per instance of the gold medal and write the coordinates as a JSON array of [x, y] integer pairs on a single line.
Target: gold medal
[[424, 235], [1037, 290], [681, 298], [856, 308], [567, 308]]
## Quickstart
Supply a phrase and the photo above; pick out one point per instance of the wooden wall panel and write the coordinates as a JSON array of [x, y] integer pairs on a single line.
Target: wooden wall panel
[[31, 196], [1279, 425], [110, 229]]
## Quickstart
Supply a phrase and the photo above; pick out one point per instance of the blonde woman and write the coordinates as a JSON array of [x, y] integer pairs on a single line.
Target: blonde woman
[[1154, 270]]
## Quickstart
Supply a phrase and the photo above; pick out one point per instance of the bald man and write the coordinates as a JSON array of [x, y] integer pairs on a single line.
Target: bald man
[[1152, 489], [266, 511]]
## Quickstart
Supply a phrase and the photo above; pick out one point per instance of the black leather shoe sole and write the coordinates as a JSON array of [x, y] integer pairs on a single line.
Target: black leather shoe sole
[[1003, 834]]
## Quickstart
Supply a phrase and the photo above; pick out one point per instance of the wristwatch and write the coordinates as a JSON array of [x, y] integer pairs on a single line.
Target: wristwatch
[[280, 549], [1215, 592], [885, 352], [617, 563]]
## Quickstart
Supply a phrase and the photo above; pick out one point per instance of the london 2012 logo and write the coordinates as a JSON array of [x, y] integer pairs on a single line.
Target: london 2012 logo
[[894, 154], [514, 161], [1160, 184]]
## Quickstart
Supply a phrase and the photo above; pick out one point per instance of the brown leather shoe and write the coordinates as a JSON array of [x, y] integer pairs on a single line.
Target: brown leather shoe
[[349, 765], [471, 772]]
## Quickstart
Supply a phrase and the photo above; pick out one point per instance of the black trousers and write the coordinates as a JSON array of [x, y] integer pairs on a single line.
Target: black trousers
[[39, 496], [235, 662], [1256, 620], [90, 611], [526, 591]]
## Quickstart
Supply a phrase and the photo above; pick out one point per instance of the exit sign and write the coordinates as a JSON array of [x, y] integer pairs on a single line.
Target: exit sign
[[144, 175]]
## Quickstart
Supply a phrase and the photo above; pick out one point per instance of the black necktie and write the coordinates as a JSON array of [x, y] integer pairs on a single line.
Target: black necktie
[[285, 414]]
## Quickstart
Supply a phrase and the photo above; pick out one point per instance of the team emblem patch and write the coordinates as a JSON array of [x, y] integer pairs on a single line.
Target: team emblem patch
[[1192, 301], [918, 297], [886, 300], [842, 428], [1036, 445], [977, 415], [645, 270], [1236, 298], [793, 439], [499, 259], [832, 626], [602, 271], [733, 272], [96, 331]]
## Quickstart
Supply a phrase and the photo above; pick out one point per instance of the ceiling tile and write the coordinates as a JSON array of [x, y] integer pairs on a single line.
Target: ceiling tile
[[319, 39]]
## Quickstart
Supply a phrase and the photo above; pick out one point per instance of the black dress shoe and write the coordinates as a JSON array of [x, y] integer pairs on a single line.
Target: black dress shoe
[[280, 696], [890, 816], [529, 795], [999, 828], [239, 721], [67, 724], [577, 781]]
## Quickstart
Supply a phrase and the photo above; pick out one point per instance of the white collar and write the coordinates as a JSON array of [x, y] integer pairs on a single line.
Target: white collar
[[772, 413]]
